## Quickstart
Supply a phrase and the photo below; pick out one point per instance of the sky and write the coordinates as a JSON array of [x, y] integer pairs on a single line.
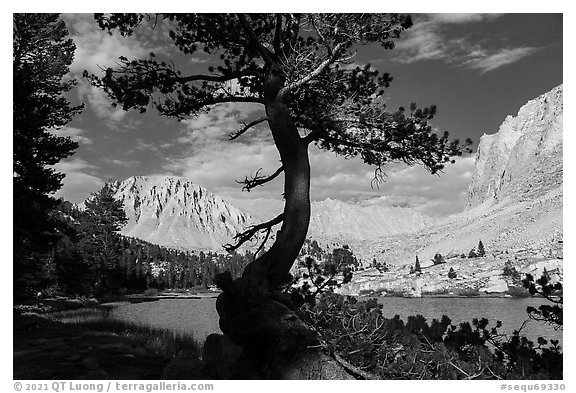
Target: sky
[[477, 69]]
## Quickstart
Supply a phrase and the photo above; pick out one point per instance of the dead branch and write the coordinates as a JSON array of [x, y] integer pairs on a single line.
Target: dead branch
[[321, 67], [249, 233], [355, 371], [259, 180], [247, 127]]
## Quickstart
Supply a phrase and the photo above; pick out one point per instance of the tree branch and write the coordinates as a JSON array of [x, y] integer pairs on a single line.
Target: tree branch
[[172, 76], [321, 67], [312, 136], [259, 180], [248, 234], [183, 110], [217, 78], [355, 371], [247, 127], [265, 53], [278, 35]]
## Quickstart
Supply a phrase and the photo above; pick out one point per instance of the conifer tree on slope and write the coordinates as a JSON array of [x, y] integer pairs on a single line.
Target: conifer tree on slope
[[100, 242], [42, 54], [481, 251], [297, 69]]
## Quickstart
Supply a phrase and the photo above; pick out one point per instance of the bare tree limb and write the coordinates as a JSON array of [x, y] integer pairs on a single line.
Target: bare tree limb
[[321, 67], [355, 371], [249, 233], [173, 76], [268, 230], [258, 180], [247, 127]]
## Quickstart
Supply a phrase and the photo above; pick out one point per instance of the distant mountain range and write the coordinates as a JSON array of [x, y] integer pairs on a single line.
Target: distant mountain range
[[174, 212], [514, 199]]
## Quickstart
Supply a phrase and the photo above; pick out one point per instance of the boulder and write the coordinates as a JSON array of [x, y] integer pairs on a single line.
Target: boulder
[[496, 285]]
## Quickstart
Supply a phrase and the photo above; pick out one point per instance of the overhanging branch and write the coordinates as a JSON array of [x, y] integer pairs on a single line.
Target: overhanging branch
[[247, 127], [248, 234], [259, 180]]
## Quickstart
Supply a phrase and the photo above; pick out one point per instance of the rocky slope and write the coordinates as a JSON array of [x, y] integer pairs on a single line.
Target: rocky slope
[[342, 222], [350, 223], [523, 160], [515, 206]]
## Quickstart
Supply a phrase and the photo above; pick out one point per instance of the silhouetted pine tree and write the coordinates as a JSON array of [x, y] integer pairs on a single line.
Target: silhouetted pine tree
[[481, 251], [100, 243], [42, 54]]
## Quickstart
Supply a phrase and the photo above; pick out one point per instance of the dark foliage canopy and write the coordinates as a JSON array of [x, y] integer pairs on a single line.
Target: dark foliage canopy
[[304, 60], [41, 59], [42, 54]]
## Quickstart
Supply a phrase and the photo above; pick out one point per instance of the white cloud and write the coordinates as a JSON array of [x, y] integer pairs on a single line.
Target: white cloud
[[462, 17], [198, 60], [216, 124], [484, 62], [80, 180], [421, 42], [76, 134], [95, 47], [123, 163], [427, 40], [101, 104], [432, 195], [218, 166]]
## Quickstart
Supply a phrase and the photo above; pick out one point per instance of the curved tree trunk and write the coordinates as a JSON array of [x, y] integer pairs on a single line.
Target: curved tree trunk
[[265, 331], [273, 267]]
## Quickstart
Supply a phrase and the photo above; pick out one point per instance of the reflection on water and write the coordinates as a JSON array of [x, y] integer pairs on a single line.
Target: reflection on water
[[199, 316], [511, 311]]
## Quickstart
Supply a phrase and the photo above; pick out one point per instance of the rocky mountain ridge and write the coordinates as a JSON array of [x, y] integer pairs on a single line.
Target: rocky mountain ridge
[[515, 206], [173, 212], [523, 160]]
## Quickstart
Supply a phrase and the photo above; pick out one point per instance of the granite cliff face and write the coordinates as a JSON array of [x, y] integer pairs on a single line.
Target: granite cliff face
[[173, 212], [515, 206], [523, 160]]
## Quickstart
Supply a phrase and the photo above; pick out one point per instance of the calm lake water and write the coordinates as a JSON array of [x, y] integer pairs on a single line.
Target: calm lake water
[[511, 311], [199, 317]]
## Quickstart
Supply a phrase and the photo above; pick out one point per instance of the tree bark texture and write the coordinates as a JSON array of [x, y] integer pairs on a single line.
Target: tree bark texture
[[273, 267]]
